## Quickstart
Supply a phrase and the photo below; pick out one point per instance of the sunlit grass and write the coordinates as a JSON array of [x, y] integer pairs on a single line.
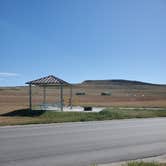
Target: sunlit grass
[[38, 116]]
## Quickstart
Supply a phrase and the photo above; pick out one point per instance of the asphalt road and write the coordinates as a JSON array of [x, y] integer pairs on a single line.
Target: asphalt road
[[81, 144]]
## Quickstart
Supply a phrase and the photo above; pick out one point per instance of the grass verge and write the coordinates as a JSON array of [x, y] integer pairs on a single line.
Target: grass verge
[[37, 116], [144, 164]]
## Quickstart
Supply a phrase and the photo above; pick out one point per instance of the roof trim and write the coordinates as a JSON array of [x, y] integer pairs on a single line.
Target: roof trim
[[48, 80]]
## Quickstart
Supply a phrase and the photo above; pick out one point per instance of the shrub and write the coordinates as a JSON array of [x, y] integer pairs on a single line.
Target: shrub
[[80, 93], [105, 94]]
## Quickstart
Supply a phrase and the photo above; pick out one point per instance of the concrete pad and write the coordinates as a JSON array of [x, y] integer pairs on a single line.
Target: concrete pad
[[77, 109], [67, 109]]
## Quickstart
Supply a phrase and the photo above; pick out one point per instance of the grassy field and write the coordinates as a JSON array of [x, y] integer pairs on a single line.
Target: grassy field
[[36, 117]]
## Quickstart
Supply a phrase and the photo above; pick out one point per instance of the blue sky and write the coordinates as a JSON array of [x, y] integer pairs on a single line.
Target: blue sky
[[82, 39]]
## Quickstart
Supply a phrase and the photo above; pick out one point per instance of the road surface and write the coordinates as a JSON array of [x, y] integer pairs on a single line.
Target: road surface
[[82, 144]]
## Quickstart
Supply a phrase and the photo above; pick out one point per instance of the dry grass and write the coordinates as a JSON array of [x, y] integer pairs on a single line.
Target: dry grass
[[16, 98], [145, 96]]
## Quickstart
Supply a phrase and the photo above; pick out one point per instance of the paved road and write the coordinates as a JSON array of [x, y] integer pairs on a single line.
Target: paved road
[[81, 144]]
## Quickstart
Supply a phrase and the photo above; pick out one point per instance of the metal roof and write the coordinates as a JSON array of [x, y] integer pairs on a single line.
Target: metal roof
[[49, 80]]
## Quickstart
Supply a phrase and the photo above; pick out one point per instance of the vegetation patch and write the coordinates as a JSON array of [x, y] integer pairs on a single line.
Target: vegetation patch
[[25, 116], [80, 93], [144, 164], [105, 94]]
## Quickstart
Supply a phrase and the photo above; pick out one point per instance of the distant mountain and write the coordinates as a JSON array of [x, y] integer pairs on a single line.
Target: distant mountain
[[117, 82]]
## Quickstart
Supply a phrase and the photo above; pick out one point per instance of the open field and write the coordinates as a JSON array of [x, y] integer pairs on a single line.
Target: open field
[[122, 94]]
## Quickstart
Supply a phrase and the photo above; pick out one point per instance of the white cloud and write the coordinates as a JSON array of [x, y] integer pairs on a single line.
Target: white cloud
[[6, 74]]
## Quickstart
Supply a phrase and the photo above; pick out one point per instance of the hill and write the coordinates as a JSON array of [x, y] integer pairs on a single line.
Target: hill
[[117, 82]]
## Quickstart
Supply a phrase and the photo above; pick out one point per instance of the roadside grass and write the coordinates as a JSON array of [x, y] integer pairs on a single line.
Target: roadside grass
[[26, 116], [132, 113], [144, 164], [138, 163]]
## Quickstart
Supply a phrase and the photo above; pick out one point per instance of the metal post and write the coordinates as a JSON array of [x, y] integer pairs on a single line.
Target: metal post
[[44, 94], [71, 95], [61, 97], [30, 96]]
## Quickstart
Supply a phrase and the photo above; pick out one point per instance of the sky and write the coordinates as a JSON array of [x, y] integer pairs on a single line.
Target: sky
[[78, 40]]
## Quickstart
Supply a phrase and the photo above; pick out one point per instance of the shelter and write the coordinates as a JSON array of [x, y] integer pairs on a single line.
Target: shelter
[[49, 81]]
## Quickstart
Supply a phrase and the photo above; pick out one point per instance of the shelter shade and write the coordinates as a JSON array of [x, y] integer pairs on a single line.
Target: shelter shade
[[46, 82]]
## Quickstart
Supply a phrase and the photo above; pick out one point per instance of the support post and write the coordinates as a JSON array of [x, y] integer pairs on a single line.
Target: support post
[[30, 97], [71, 95], [44, 94], [61, 97]]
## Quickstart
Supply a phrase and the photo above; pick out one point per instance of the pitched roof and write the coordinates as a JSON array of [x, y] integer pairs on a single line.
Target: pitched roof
[[49, 80]]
